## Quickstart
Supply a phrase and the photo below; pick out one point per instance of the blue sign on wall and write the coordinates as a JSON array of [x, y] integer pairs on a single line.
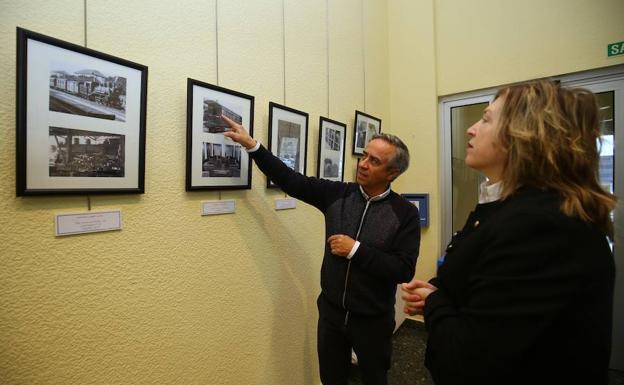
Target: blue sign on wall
[[421, 201]]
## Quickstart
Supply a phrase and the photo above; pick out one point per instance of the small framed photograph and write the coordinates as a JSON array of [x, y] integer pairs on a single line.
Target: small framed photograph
[[288, 137], [214, 161], [365, 127], [80, 119], [331, 154], [421, 201]]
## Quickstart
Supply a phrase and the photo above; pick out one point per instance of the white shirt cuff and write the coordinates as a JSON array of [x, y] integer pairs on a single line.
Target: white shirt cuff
[[353, 249], [254, 148]]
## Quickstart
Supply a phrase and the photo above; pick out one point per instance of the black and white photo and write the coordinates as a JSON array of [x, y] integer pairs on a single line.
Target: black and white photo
[[365, 127], [288, 137], [87, 91], [331, 152], [79, 153], [213, 112], [214, 161], [221, 160], [333, 139], [80, 119]]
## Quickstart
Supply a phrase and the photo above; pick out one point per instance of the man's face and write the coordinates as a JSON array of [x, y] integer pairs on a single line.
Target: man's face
[[373, 173]]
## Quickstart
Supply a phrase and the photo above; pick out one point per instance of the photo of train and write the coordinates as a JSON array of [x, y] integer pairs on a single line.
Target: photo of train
[[88, 92], [213, 123]]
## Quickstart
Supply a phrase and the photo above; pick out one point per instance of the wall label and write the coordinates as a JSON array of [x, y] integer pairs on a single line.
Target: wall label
[[87, 222], [285, 203], [226, 206]]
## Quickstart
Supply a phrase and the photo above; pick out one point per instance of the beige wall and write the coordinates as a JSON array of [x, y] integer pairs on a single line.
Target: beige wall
[[488, 43], [413, 108], [443, 47], [179, 298], [175, 297]]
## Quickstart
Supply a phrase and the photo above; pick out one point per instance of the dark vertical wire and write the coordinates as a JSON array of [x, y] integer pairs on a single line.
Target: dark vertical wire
[[85, 44], [363, 57], [284, 45], [217, 48], [284, 56], [85, 23], [217, 36], [327, 36]]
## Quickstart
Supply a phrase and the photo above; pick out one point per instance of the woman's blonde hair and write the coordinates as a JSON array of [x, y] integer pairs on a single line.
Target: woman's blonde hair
[[550, 134]]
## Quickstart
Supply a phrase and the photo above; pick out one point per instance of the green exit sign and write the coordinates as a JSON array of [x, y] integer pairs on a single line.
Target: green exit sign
[[615, 49]]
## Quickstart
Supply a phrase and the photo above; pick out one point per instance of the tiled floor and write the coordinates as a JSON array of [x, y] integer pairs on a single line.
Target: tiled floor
[[407, 359]]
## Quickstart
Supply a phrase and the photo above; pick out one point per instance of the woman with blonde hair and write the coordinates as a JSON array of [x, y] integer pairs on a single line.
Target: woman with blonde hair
[[525, 293]]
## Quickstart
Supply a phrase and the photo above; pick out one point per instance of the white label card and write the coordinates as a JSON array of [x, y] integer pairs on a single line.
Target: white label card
[[285, 203], [87, 222], [227, 206]]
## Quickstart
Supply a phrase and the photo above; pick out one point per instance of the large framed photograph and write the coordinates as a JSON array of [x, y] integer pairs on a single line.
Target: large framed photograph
[[365, 127], [288, 137], [331, 152], [214, 161], [80, 119]]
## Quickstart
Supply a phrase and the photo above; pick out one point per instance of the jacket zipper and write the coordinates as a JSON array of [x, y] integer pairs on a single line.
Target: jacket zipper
[[344, 293]]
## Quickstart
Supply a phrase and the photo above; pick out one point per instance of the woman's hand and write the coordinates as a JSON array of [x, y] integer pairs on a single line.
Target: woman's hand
[[415, 294]]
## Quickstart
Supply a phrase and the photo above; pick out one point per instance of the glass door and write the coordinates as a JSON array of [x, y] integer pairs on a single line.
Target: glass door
[[610, 94], [460, 183], [465, 180]]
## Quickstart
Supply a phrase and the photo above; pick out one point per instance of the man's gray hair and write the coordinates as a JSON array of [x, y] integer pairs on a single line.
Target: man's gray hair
[[401, 158]]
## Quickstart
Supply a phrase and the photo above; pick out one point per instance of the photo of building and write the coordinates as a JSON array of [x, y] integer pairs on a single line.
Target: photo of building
[[221, 160], [333, 139], [79, 153], [213, 122], [288, 137], [87, 92]]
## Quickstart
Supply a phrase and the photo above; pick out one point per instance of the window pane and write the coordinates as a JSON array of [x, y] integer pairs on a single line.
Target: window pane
[[605, 101], [465, 180]]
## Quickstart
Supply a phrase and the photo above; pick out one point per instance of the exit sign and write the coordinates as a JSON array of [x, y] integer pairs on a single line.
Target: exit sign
[[615, 49]]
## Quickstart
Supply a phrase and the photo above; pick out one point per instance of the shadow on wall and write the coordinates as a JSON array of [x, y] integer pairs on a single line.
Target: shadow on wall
[[293, 291]]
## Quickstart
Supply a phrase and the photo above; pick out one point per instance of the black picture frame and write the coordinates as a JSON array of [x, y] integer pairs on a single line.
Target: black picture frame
[[288, 137], [80, 119], [331, 149], [214, 161], [364, 128]]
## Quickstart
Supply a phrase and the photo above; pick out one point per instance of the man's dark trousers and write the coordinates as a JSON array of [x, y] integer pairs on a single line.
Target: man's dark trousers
[[369, 336]]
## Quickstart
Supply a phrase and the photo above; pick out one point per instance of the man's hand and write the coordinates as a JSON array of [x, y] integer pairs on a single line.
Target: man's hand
[[415, 294], [340, 244], [238, 134]]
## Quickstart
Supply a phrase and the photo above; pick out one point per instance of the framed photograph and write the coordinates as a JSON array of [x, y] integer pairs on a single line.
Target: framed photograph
[[421, 201], [80, 119], [365, 127], [288, 137], [331, 153], [214, 161]]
